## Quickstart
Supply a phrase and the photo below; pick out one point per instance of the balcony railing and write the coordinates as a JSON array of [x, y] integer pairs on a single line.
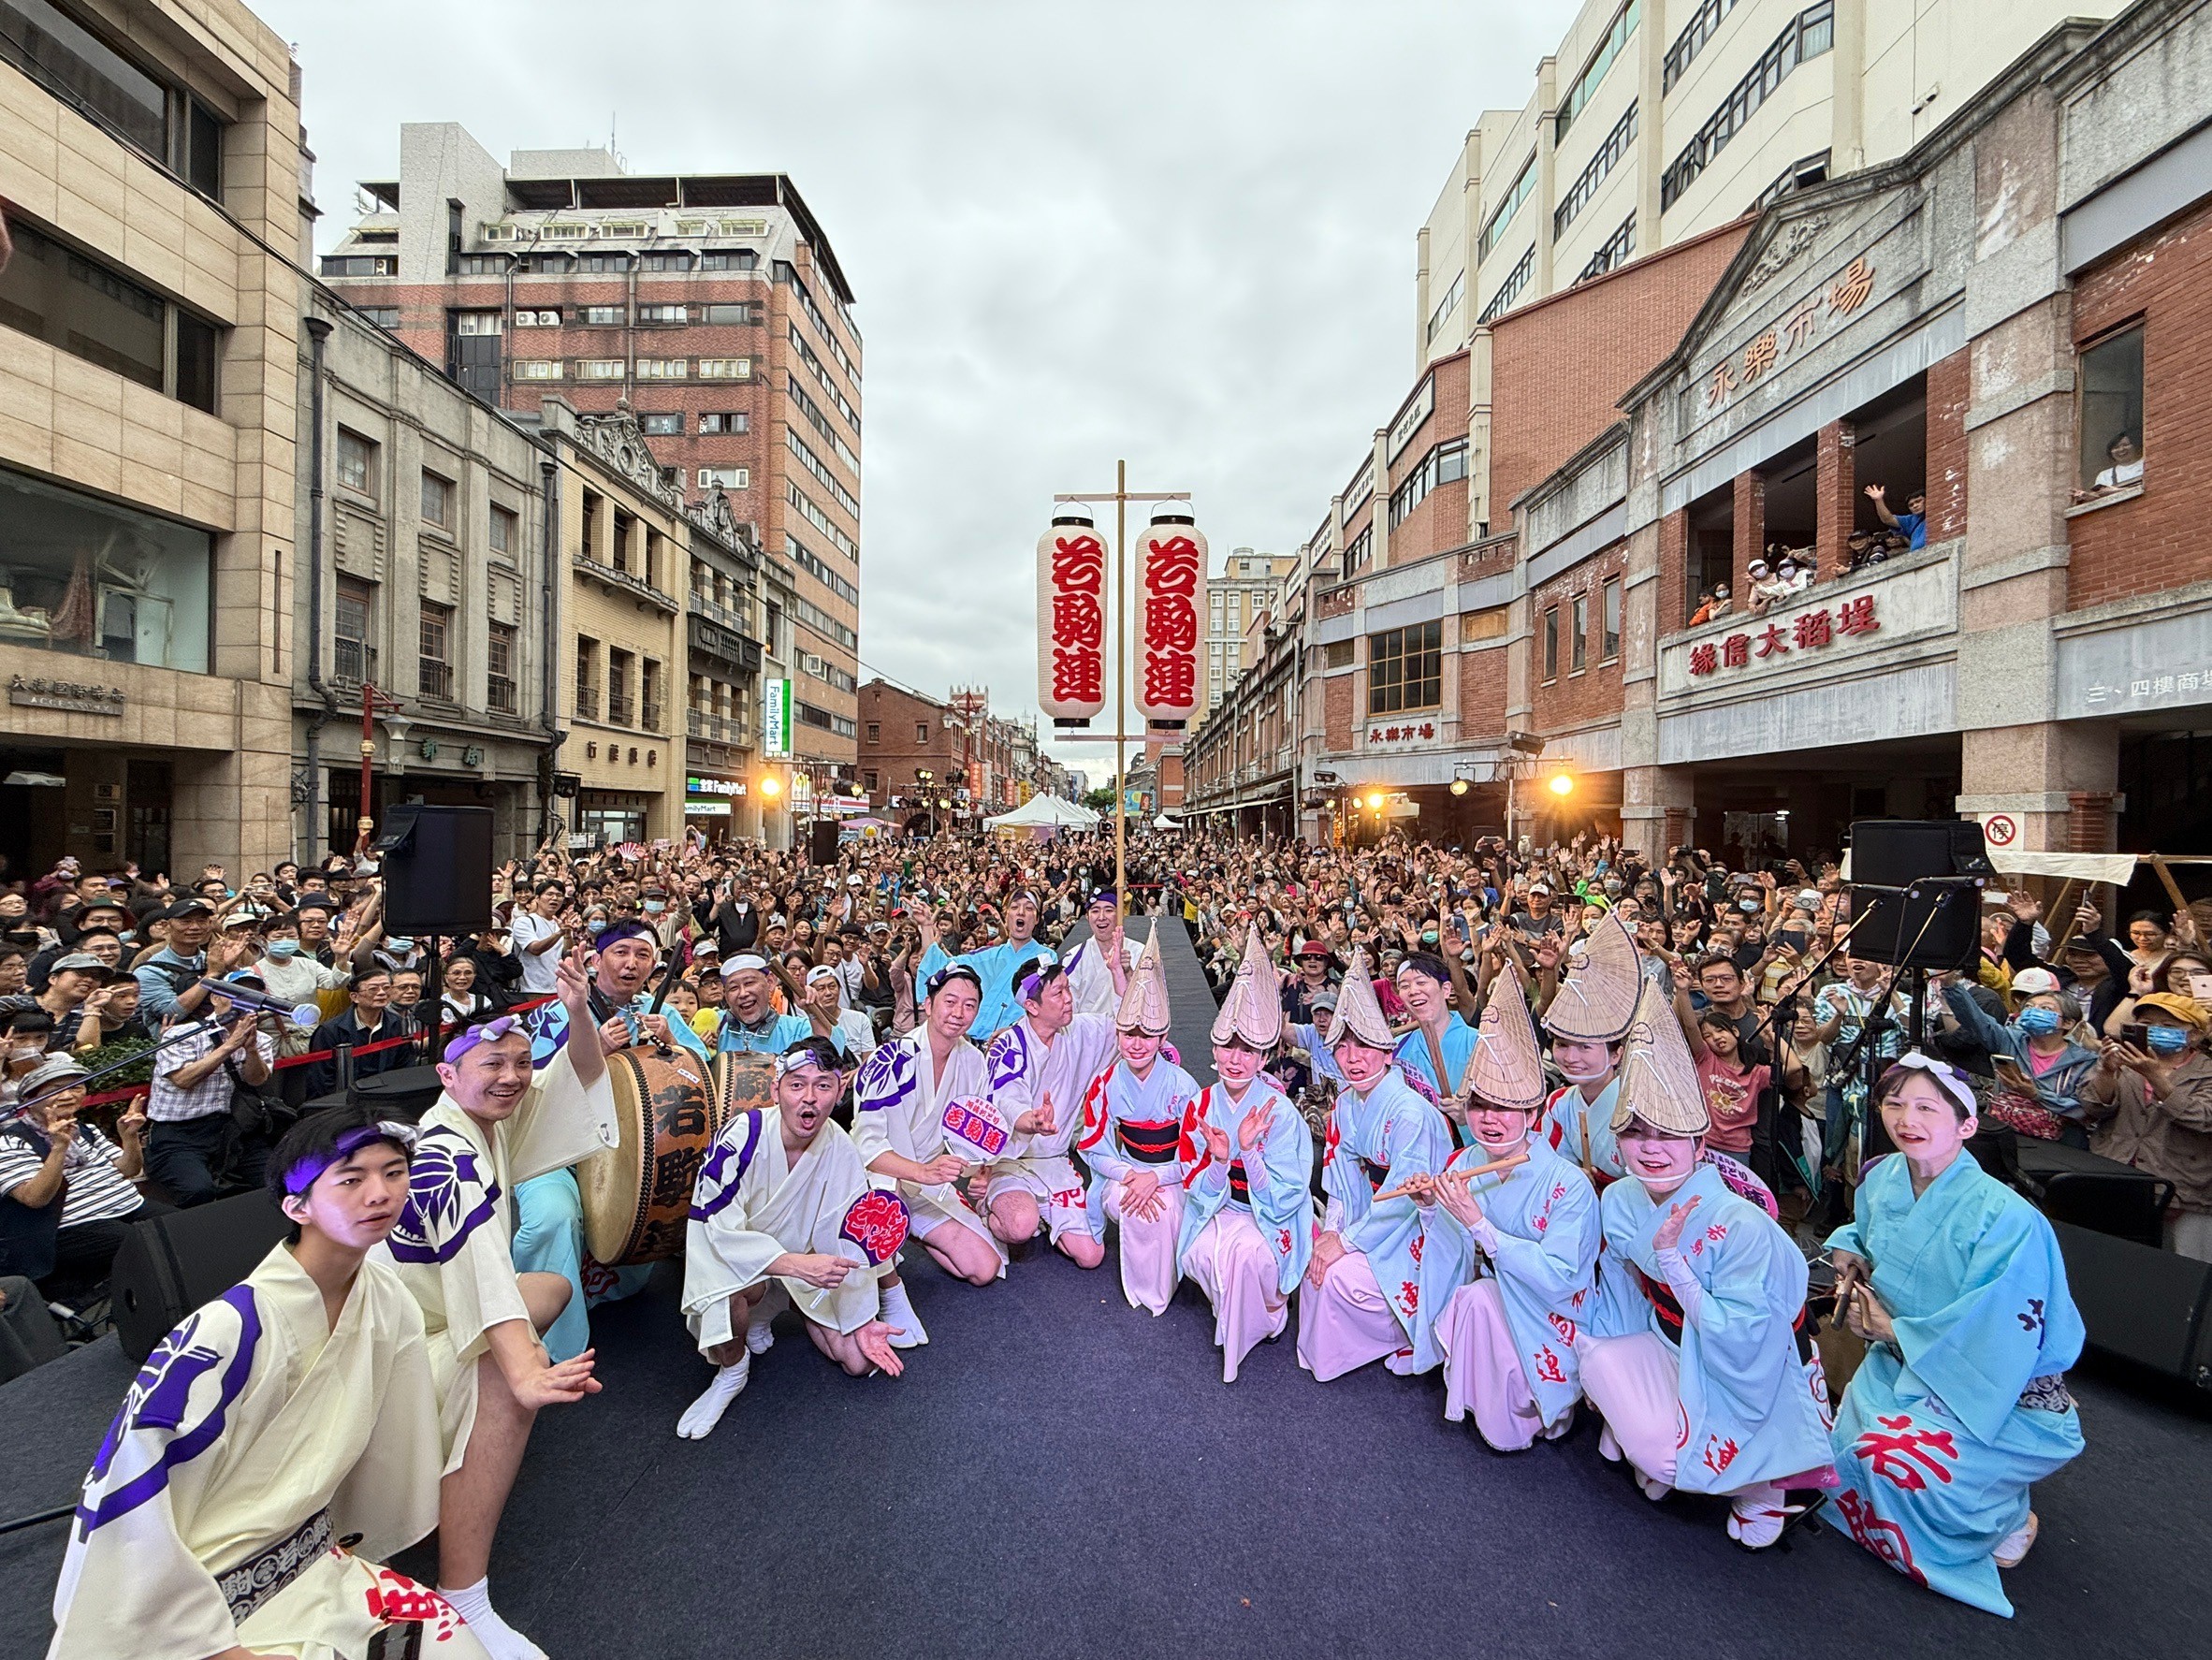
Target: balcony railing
[[498, 694], [619, 708], [434, 679], [652, 717], [353, 661], [587, 701]]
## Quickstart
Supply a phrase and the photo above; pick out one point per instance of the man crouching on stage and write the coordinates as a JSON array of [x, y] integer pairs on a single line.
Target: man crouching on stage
[[276, 1446], [783, 1202], [495, 1126]]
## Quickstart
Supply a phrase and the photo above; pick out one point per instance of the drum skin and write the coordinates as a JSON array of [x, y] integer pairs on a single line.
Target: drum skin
[[637, 1194]]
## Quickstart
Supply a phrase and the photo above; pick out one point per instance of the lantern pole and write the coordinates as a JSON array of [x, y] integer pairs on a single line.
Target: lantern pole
[[1121, 688], [1122, 496]]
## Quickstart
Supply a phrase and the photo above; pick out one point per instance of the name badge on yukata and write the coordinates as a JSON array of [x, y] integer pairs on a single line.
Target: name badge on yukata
[[977, 1129], [877, 1223]]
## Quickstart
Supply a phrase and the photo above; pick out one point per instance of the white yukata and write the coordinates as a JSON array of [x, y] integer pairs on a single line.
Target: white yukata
[[1131, 1124], [898, 1099], [1026, 1073], [454, 1242], [255, 1437], [1090, 977], [752, 1206]]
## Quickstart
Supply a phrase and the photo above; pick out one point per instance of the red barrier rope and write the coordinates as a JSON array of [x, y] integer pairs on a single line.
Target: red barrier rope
[[109, 1098]]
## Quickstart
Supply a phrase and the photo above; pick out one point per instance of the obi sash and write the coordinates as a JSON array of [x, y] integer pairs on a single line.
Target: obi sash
[[1149, 1143], [1376, 1174], [264, 1573], [1668, 1307], [1240, 1184]]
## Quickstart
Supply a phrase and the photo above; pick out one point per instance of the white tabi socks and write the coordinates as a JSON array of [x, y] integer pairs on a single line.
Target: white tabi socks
[[759, 1336], [701, 1415], [501, 1641], [899, 1313]]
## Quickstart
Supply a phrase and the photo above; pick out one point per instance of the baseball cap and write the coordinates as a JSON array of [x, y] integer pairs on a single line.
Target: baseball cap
[[820, 972], [191, 906], [2034, 982], [82, 961]]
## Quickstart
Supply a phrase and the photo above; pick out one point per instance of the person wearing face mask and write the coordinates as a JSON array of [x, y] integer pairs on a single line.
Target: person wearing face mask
[[1692, 1355], [1531, 1236], [1957, 1287], [290, 973], [1382, 1267], [2149, 1104], [1587, 1021], [2040, 1069]]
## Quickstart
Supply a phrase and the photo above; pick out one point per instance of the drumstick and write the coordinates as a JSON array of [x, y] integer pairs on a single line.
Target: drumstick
[[1510, 1161]]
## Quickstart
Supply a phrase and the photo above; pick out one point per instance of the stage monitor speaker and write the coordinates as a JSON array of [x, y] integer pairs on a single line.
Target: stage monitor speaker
[[170, 1264], [1933, 923], [822, 847], [1895, 852], [2142, 1303], [437, 869]]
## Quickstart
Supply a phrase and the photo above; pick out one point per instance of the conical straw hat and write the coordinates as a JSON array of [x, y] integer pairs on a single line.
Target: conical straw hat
[[1658, 1079], [1357, 1012], [1597, 1001], [1506, 1069], [1253, 1010], [1145, 998]]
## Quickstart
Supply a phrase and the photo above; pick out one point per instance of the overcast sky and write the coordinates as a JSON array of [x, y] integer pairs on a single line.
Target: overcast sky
[[1181, 233]]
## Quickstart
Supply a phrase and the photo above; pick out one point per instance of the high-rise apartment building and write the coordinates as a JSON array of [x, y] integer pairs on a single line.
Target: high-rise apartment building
[[710, 306], [1658, 120], [1249, 588]]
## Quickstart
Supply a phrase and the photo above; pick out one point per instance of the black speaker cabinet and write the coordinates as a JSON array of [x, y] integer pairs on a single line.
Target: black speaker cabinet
[[437, 869], [1933, 923], [823, 842], [1895, 852]]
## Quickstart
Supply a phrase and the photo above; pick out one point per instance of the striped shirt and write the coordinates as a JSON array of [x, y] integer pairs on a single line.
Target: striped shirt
[[94, 1189], [170, 1103]]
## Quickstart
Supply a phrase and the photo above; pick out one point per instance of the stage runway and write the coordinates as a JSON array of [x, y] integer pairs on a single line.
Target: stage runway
[[1059, 1475]]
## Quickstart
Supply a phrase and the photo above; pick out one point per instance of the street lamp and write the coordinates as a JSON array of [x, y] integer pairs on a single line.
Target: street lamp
[[1561, 784], [1375, 802], [771, 788], [1459, 786]]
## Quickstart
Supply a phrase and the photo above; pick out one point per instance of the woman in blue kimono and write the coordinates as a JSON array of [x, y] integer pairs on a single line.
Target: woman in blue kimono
[[1693, 1355], [1424, 984], [1248, 1211], [1956, 1284], [1508, 1336], [1588, 1020], [1383, 1266]]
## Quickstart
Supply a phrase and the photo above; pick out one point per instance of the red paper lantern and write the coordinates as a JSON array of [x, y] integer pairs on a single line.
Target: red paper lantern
[[1072, 621], [1171, 580]]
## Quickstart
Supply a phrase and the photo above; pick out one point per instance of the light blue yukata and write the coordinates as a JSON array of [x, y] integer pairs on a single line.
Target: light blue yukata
[[1753, 1404], [1581, 1131], [1374, 1142], [1281, 1206], [1539, 1239], [1458, 1042], [772, 1036], [1944, 1427], [1000, 968], [549, 1209], [1131, 1124]]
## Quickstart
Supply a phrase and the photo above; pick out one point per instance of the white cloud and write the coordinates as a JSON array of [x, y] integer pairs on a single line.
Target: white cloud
[[1180, 233]]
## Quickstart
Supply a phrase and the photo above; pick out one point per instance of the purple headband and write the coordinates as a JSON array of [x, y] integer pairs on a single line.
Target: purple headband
[[308, 1171], [1037, 980], [489, 1031], [629, 928]]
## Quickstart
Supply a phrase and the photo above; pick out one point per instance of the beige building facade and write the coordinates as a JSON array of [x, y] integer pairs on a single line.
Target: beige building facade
[[148, 323]]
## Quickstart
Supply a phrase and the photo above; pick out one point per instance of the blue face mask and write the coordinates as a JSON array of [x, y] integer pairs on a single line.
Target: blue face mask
[[284, 948], [400, 942], [2166, 1039], [2039, 1022]]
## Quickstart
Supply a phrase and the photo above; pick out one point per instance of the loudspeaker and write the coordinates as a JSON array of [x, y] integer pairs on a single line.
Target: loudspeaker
[[1934, 923], [168, 1266], [437, 869], [1896, 852], [2142, 1303], [822, 844]]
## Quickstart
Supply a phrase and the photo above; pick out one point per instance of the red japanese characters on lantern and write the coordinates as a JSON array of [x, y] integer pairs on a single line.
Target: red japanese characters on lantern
[[1172, 575], [1071, 560]]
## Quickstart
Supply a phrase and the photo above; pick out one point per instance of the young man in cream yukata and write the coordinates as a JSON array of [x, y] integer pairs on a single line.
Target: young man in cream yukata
[[1383, 1265], [497, 1124], [1508, 1333], [1041, 1067], [1692, 1355], [1132, 1126], [1587, 1021], [276, 1447], [899, 1098], [1247, 1157], [773, 1218], [1099, 967]]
